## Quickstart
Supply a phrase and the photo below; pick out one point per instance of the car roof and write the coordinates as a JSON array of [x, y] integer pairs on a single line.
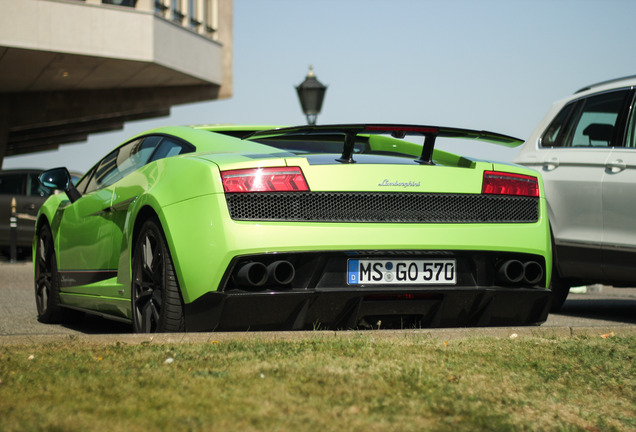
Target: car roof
[[626, 81], [25, 171]]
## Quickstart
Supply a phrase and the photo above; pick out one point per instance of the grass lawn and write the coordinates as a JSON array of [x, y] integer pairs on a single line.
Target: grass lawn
[[355, 382]]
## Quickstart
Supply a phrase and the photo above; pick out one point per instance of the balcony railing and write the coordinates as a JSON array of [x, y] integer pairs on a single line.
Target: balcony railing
[[198, 16]]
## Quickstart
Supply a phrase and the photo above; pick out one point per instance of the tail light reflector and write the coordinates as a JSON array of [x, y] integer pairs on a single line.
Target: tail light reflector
[[503, 183], [278, 179]]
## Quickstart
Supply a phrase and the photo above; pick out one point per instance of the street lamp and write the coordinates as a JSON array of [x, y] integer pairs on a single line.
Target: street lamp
[[311, 92]]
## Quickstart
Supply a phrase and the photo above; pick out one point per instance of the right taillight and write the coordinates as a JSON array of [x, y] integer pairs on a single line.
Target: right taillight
[[503, 183]]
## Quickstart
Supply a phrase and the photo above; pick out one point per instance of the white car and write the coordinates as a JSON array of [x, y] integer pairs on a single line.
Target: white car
[[585, 148]]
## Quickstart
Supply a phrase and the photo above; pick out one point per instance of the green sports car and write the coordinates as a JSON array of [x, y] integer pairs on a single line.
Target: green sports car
[[256, 228]]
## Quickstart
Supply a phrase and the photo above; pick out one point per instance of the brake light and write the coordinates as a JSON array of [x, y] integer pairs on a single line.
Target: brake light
[[278, 179], [391, 128], [503, 183]]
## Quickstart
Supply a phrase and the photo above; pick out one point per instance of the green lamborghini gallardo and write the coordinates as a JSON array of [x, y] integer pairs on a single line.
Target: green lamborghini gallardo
[[348, 226]]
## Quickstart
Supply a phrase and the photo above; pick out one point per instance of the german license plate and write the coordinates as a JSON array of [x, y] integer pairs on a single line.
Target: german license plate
[[398, 272]]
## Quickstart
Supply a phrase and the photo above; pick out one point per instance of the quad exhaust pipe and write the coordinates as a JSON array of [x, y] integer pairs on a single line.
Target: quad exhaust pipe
[[515, 271], [511, 271], [253, 274], [281, 272], [256, 274], [532, 272]]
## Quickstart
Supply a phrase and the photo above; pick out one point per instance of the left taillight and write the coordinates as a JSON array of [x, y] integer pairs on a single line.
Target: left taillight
[[503, 183], [276, 179]]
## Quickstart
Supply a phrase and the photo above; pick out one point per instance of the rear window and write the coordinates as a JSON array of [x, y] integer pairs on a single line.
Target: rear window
[[323, 144]]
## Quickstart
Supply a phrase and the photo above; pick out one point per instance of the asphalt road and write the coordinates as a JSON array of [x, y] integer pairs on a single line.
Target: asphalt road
[[605, 309]]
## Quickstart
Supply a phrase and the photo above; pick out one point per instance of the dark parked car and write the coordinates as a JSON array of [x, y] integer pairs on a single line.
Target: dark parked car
[[23, 186]]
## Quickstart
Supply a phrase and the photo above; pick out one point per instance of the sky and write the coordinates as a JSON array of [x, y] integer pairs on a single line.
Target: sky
[[492, 65]]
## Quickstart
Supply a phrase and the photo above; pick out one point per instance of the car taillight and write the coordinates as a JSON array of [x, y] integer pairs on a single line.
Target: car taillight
[[503, 183], [278, 179]]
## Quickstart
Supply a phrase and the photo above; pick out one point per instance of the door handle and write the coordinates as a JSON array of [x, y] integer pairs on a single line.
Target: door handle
[[616, 166], [551, 165]]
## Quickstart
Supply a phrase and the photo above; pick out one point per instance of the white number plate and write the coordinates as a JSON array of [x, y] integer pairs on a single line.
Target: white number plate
[[418, 272]]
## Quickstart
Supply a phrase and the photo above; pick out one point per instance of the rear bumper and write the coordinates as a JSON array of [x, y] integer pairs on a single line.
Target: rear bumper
[[367, 308]]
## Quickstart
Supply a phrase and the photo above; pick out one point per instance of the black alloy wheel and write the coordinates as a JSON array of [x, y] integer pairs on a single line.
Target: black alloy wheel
[[156, 300], [47, 285]]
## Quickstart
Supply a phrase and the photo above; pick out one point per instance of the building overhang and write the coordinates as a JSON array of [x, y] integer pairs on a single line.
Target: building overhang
[[69, 68]]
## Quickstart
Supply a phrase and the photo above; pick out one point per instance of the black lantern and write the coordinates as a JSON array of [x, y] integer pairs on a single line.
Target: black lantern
[[311, 92]]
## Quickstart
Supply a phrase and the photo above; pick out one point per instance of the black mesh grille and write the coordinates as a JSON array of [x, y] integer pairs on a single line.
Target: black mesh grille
[[382, 207]]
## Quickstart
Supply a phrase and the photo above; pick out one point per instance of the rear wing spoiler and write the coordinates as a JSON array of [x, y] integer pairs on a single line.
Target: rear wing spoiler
[[351, 131]]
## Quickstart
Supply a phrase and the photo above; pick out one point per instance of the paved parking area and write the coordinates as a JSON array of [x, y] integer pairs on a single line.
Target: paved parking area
[[601, 311]]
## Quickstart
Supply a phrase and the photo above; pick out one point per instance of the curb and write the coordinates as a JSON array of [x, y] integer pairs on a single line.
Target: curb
[[436, 334]]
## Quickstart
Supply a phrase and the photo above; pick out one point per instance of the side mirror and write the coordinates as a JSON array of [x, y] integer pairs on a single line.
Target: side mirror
[[60, 179]]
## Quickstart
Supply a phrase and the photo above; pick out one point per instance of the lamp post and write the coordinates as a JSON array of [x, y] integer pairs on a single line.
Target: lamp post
[[311, 93]]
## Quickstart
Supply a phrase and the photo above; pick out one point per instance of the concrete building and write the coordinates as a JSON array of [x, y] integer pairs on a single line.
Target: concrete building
[[69, 68]]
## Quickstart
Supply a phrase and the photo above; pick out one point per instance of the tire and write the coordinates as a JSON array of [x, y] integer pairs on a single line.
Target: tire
[[47, 283], [560, 292], [157, 306]]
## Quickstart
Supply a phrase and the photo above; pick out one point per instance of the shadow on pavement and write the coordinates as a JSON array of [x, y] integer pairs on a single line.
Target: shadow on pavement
[[618, 310], [91, 324]]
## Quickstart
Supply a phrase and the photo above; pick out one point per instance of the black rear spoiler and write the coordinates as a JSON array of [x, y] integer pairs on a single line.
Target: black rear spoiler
[[430, 134]]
